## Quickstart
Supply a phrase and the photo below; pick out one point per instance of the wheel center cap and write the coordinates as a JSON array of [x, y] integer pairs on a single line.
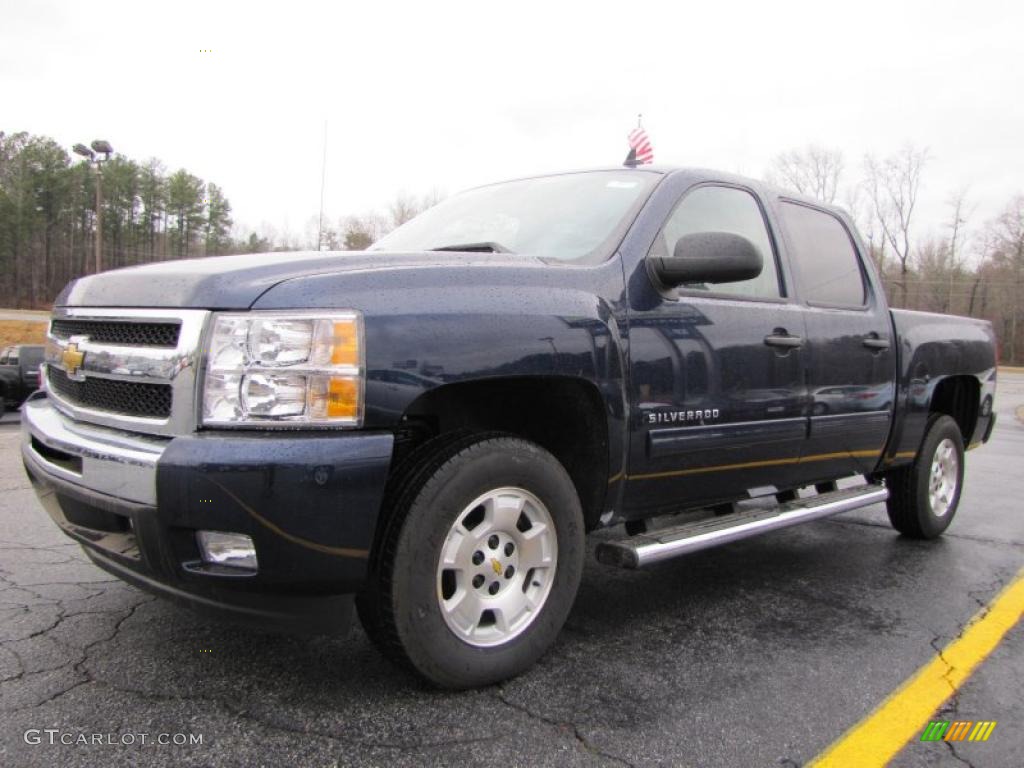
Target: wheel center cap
[[496, 565]]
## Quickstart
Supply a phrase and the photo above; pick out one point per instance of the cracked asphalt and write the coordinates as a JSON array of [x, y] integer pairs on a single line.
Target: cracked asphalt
[[757, 654]]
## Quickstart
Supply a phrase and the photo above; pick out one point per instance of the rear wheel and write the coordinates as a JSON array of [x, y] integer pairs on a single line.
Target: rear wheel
[[479, 564], [924, 496]]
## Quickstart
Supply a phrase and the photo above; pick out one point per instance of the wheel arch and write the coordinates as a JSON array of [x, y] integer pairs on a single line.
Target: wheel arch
[[567, 416], [960, 398]]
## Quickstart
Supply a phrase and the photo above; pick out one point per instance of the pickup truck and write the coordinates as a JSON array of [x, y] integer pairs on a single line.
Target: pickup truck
[[422, 434], [19, 373]]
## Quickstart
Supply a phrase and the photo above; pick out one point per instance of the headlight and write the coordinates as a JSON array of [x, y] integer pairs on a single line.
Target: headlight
[[290, 369]]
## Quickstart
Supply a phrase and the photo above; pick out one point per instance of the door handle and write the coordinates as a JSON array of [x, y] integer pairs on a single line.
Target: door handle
[[875, 343], [783, 340]]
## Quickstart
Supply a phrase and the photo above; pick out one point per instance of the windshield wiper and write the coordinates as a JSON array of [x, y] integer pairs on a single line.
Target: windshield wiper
[[485, 246]]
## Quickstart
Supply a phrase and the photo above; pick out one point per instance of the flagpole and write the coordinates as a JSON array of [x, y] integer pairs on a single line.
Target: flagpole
[[323, 180]]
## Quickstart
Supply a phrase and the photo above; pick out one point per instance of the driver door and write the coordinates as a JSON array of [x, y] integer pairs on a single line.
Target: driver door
[[716, 371]]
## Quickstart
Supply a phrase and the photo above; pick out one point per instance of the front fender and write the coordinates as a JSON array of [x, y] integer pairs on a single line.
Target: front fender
[[435, 325]]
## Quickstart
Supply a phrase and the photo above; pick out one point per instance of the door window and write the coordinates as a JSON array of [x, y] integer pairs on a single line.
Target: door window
[[723, 209], [823, 257]]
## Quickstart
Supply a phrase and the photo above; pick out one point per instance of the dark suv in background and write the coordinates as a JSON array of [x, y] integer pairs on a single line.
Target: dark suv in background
[[19, 374]]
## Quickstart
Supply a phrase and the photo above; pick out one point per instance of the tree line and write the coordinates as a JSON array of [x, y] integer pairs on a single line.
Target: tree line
[[957, 265], [48, 217]]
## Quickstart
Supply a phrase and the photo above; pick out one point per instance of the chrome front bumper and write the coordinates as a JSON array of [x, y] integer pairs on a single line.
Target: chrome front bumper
[[99, 459]]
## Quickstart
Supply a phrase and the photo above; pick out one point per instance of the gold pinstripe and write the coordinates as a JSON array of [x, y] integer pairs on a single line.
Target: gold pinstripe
[[315, 546], [751, 464]]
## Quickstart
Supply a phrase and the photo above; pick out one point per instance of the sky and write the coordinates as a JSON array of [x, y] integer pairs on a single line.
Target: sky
[[443, 95]]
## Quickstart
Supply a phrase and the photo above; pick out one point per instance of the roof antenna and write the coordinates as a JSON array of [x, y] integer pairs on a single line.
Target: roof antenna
[[323, 182]]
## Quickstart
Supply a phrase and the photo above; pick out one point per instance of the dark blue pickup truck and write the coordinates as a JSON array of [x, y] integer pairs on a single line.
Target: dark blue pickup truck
[[425, 432]]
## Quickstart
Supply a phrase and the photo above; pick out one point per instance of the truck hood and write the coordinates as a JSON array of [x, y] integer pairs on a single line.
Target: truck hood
[[236, 282]]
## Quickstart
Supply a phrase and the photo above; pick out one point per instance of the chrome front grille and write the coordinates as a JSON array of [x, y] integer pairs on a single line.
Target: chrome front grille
[[133, 369], [118, 332], [131, 398]]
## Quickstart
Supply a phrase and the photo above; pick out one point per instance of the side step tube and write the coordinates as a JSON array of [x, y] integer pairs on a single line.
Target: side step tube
[[665, 543]]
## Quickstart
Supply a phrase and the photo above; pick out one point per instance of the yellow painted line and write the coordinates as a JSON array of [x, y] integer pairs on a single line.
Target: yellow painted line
[[749, 464], [974, 445], [880, 736]]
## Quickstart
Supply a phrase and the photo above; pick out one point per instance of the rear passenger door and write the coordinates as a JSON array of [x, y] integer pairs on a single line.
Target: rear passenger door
[[849, 351]]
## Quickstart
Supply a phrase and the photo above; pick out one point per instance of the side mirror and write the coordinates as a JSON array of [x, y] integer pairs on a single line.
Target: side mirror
[[710, 257]]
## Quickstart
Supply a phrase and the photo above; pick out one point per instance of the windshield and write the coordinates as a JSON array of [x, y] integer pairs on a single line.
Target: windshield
[[556, 218]]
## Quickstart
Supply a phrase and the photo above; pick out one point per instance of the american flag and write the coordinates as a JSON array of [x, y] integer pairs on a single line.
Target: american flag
[[641, 145]]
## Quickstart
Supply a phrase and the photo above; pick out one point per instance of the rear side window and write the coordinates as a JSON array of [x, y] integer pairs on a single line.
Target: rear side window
[[824, 259]]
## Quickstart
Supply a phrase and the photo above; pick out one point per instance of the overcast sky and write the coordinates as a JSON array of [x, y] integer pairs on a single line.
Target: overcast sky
[[449, 95]]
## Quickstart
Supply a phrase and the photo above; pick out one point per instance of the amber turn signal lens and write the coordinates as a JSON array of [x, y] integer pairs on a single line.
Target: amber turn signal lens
[[345, 343], [342, 398]]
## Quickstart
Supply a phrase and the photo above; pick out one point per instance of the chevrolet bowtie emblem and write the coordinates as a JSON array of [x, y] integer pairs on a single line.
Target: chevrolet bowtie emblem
[[72, 359]]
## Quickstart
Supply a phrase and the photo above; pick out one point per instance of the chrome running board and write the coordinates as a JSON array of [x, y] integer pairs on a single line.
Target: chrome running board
[[665, 543]]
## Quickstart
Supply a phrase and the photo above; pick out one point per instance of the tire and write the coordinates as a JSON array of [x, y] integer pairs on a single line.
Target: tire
[[411, 470], [914, 510], [500, 600]]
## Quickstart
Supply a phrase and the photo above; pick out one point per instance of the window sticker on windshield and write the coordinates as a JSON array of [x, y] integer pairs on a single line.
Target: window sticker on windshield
[[621, 184]]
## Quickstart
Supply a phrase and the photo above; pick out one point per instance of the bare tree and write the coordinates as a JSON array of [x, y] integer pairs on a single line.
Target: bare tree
[[813, 171], [406, 206], [960, 212], [893, 184], [360, 232], [1005, 246], [403, 208], [933, 276]]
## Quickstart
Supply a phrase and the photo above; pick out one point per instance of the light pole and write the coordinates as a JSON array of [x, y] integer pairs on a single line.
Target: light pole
[[99, 147]]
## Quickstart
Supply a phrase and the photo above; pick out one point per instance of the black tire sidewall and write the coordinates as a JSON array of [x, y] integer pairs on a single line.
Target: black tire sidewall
[[931, 525], [429, 643]]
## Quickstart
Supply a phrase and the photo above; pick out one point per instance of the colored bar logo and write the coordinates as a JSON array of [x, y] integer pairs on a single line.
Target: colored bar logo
[[958, 730]]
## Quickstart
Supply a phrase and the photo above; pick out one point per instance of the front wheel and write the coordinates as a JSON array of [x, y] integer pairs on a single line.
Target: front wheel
[[924, 496], [479, 564]]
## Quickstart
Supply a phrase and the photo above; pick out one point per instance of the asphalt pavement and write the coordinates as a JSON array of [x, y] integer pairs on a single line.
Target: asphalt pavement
[[760, 653]]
